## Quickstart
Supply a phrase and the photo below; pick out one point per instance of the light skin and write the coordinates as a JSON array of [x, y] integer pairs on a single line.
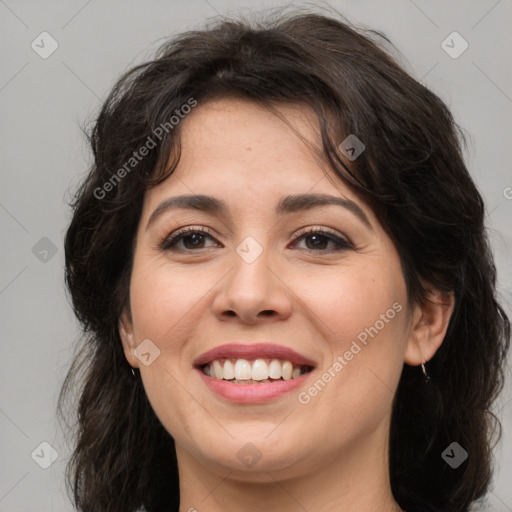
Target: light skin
[[329, 454]]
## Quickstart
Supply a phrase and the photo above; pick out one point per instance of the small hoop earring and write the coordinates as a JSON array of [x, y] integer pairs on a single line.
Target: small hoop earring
[[427, 377], [133, 371]]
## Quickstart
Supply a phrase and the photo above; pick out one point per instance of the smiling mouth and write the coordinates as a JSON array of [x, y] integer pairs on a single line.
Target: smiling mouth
[[256, 371]]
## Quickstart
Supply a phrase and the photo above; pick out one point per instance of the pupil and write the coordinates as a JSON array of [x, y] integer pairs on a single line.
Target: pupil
[[316, 237], [196, 237]]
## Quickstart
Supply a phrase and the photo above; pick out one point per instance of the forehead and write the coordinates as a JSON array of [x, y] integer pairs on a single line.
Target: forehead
[[245, 153], [241, 135]]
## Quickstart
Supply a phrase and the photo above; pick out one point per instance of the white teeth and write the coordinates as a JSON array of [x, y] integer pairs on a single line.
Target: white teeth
[[274, 369], [229, 370], [259, 370], [243, 370], [219, 372], [287, 370]]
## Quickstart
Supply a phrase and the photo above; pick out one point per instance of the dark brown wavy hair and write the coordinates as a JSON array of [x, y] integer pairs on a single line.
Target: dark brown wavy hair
[[412, 173]]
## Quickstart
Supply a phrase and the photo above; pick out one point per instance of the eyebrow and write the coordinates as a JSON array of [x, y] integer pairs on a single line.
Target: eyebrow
[[286, 205]]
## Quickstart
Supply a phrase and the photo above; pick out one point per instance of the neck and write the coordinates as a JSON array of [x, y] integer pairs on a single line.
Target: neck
[[355, 479]]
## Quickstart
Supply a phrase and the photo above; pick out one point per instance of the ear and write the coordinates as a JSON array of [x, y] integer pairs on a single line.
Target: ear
[[430, 322], [128, 338]]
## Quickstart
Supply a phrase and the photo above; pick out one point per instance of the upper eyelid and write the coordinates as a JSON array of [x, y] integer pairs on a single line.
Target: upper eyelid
[[207, 231], [178, 234]]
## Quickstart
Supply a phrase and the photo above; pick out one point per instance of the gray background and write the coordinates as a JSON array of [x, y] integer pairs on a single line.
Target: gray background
[[44, 101]]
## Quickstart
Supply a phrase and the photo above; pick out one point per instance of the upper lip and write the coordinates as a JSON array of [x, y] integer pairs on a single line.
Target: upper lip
[[253, 351]]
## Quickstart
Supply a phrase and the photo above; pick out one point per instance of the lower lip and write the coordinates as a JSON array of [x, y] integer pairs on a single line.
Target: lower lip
[[252, 393]]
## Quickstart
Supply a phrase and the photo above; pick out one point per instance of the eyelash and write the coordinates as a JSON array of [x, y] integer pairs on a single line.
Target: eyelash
[[169, 242]]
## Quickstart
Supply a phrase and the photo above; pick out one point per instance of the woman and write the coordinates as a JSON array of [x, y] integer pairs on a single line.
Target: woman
[[280, 263]]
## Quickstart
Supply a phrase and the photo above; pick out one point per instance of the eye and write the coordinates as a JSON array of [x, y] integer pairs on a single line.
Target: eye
[[192, 238], [320, 238]]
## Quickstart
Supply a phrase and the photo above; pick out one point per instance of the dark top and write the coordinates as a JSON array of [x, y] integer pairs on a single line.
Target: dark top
[[424, 508]]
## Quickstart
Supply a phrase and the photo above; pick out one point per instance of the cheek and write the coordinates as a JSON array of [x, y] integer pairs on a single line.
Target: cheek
[[163, 298], [361, 312], [165, 306], [354, 301]]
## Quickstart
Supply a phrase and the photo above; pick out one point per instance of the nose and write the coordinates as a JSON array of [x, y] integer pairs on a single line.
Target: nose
[[253, 292]]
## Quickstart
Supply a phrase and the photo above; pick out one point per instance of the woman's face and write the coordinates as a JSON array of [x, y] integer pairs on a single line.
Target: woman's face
[[336, 299]]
